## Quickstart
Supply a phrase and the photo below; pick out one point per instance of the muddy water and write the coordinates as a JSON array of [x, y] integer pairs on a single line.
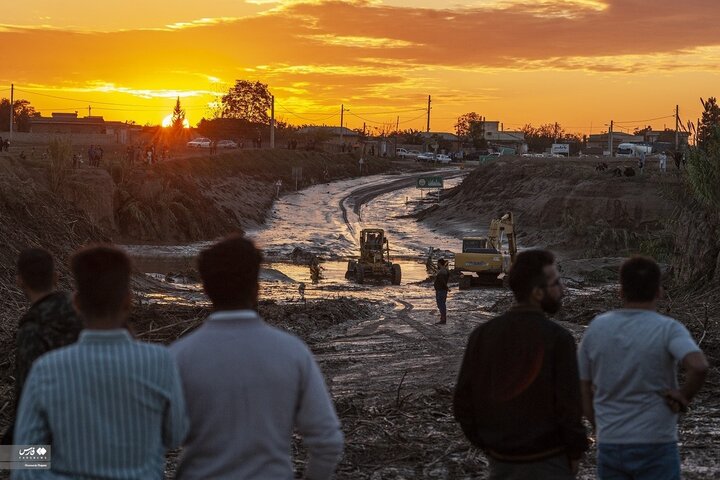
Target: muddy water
[[322, 220]]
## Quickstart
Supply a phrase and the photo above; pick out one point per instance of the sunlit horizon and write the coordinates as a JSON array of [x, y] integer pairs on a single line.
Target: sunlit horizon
[[581, 63]]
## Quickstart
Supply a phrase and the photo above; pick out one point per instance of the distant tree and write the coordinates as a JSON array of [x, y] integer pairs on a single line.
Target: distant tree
[[410, 137], [178, 117], [471, 129], [642, 131], [231, 128], [23, 112], [709, 122], [540, 139], [247, 101]]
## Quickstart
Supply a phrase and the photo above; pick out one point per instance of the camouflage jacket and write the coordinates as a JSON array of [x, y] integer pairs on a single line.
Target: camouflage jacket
[[49, 323]]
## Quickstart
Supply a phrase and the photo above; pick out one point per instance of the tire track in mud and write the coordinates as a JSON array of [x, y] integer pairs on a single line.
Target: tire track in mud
[[365, 194]]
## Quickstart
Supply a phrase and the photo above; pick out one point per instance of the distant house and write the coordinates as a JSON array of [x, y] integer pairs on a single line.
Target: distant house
[[600, 141], [659, 139], [499, 138], [61, 122], [331, 134]]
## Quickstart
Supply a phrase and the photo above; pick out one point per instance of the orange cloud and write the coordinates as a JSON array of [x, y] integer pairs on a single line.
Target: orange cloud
[[319, 54]]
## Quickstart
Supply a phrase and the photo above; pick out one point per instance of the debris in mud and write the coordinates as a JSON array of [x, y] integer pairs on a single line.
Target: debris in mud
[[168, 322]]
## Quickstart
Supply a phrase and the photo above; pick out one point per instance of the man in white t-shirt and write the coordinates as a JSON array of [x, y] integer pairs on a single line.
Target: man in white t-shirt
[[628, 375]]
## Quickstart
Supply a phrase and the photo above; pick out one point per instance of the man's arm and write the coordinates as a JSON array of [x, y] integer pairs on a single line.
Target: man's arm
[[318, 424], [32, 427], [586, 390], [29, 346], [175, 423], [462, 398], [568, 401], [696, 367]]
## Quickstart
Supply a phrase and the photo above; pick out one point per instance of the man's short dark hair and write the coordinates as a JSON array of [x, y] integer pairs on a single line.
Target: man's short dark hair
[[528, 272], [640, 279], [102, 279], [36, 269], [229, 271]]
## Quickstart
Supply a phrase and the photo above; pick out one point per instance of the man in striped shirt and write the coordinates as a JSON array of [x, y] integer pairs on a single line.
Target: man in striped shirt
[[109, 405]]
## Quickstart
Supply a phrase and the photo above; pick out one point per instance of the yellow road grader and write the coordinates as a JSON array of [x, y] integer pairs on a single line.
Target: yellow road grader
[[374, 261]]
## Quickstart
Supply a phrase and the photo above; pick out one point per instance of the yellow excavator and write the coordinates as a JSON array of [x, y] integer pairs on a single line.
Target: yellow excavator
[[486, 261]]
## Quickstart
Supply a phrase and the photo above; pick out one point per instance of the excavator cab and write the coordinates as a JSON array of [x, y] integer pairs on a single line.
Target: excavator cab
[[486, 261]]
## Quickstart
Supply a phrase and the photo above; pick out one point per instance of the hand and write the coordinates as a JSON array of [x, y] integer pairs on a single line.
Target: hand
[[676, 401]]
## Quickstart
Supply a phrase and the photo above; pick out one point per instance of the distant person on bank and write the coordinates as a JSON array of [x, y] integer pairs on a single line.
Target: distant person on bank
[[441, 289], [518, 393], [628, 360], [49, 323], [249, 385], [109, 405]]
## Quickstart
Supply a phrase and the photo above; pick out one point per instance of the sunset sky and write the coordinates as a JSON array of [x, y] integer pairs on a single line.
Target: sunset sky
[[578, 62]]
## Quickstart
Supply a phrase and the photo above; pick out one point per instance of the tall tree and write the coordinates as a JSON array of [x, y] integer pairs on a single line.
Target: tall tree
[[470, 128], [23, 113], [709, 122], [248, 101], [178, 119]]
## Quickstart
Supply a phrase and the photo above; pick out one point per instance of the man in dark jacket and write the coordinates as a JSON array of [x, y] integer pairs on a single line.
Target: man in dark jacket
[[518, 393], [49, 323], [441, 290]]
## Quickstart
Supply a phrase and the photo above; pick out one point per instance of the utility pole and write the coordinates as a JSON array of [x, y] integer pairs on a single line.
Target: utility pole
[[677, 126], [12, 107], [272, 121], [397, 124], [697, 131], [342, 119], [428, 114], [89, 111], [610, 138]]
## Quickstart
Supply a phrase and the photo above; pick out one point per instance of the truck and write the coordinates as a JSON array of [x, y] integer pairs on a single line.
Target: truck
[[485, 261], [633, 150]]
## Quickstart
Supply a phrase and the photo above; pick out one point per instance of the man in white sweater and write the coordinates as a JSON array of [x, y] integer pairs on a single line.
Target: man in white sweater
[[249, 385]]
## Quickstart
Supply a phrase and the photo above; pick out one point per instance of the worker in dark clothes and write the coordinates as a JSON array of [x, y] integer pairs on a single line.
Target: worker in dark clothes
[[441, 289]]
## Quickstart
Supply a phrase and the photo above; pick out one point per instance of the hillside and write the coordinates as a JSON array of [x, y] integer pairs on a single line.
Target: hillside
[[565, 205]]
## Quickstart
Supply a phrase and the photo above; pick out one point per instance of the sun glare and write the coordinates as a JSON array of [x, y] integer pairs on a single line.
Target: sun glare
[[167, 121]]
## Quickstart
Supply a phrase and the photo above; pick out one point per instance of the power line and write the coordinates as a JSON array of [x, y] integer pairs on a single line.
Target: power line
[[305, 118], [646, 120], [91, 101]]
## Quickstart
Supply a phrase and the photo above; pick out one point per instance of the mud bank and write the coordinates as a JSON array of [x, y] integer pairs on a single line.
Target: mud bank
[[201, 198], [563, 204]]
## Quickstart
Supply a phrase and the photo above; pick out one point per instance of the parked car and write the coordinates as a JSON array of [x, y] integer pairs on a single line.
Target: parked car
[[200, 142], [426, 157], [401, 152], [442, 158], [412, 154], [227, 144]]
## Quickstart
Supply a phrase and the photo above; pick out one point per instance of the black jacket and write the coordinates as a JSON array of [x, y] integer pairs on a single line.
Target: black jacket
[[518, 392], [441, 279]]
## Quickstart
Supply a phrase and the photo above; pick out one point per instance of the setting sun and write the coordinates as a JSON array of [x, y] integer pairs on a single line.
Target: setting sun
[[167, 121]]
